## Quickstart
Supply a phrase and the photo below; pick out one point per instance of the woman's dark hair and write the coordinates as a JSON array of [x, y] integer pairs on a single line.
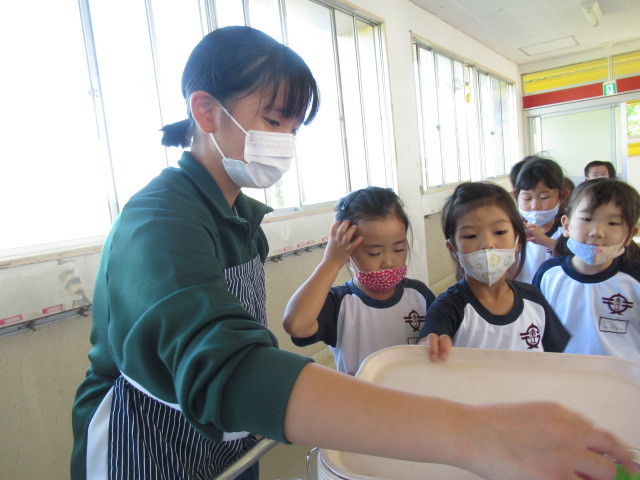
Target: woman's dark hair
[[370, 203], [537, 169], [601, 191], [469, 196], [233, 62]]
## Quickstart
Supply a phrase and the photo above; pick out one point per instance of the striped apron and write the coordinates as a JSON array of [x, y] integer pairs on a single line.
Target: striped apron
[[134, 435]]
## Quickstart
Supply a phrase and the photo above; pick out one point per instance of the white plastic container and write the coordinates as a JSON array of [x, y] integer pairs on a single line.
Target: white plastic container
[[604, 389]]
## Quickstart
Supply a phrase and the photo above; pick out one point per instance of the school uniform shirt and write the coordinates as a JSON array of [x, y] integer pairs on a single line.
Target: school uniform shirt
[[182, 364], [600, 311], [536, 254], [355, 325], [531, 325]]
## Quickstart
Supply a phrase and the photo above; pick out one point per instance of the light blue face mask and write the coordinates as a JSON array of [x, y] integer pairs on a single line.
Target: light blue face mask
[[540, 217], [594, 254]]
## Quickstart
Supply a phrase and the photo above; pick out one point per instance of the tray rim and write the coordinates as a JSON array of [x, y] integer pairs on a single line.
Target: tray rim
[[461, 355]]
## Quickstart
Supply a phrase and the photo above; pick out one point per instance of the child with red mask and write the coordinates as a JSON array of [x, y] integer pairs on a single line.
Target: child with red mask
[[379, 307]]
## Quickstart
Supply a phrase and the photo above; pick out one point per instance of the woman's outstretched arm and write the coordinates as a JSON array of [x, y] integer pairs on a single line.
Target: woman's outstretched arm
[[533, 440]]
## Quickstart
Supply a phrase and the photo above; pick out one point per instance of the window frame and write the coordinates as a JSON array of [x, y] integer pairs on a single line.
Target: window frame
[[208, 21], [479, 169]]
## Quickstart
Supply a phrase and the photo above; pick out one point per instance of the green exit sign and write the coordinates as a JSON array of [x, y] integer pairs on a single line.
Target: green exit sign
[[609, 88]]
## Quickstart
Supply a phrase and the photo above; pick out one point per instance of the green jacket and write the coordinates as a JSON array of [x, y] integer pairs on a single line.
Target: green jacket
[[163, 314]]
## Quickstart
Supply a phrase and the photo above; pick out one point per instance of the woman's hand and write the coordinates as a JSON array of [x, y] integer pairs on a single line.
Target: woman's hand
[[439, 347], [541, 440]]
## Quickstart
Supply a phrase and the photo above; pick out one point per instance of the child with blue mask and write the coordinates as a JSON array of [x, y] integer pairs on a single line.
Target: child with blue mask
[[540, 194], [594, 283], [486, 309]]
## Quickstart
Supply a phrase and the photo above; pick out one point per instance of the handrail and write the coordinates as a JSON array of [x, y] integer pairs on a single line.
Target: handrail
[[243, 463]]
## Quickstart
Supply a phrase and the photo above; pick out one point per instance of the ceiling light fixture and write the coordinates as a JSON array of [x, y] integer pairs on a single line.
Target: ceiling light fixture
[[592, 11]]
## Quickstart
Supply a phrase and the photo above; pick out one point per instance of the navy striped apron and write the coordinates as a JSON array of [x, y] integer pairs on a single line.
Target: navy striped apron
[[149, 439]]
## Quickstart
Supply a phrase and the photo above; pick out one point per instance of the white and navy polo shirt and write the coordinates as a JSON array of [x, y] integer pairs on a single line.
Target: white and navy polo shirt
[[355, 325], [531, 325], [601, 311]]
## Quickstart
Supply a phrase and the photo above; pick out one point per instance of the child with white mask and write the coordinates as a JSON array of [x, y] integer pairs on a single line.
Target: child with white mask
[[485, 309], [380, 307], [540, 193], [594, 282]]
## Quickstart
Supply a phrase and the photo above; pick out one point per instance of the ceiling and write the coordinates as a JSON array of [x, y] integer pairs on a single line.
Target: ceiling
[[531, 31]]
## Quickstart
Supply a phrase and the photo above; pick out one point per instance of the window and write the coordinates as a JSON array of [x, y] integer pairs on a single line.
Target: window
[[81, 116], [467, 120]]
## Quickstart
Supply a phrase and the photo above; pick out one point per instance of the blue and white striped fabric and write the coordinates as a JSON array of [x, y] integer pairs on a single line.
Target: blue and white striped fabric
[[150, 440], [136, 436], [247, 282]]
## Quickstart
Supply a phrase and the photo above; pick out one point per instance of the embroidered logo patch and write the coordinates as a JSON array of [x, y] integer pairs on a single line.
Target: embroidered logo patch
[[617, 303], [415, 320], [531, 336]]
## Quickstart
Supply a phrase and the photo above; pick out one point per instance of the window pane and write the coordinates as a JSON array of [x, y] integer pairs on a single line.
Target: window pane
[[460, 99], [487, 125], [446, 114], [129, 94], [351, 101], [512, 151], [229, 12], [319, 148], [177, 29], [265, 15], [498, 99], [429, 113], [379, 171], [52, 185], [473, 133]]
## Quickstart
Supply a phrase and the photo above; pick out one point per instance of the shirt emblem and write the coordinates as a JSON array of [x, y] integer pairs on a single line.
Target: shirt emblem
[[531, 336], [415, 320], [617, 303]]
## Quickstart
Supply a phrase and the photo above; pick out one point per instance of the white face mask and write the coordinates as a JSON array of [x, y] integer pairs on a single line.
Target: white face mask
[[540, 217], [593, 254], [489, 265], [268, 156]]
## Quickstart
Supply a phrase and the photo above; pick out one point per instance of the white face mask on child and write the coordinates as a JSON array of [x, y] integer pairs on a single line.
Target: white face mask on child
[[268, 156], [540, 217], [488, 265]]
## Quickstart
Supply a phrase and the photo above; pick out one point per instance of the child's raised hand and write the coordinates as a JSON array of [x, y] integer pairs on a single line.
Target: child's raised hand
[[439, 347], [537, 236], [534, 233], [343, 240]]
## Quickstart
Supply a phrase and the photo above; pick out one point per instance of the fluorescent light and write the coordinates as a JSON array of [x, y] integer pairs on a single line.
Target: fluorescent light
[[592, 11]]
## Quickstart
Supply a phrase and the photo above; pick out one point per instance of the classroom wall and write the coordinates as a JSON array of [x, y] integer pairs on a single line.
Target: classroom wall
[[42, 368]]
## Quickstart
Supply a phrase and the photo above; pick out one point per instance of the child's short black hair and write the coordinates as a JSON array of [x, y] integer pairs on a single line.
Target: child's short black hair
[[370, 203], [600, 163], [539, 169], [601, 191]]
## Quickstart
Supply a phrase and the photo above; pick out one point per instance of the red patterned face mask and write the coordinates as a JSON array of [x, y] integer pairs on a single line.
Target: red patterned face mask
[[382, 280]]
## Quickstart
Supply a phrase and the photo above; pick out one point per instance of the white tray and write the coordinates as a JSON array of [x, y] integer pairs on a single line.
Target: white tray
[[604, 389]]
